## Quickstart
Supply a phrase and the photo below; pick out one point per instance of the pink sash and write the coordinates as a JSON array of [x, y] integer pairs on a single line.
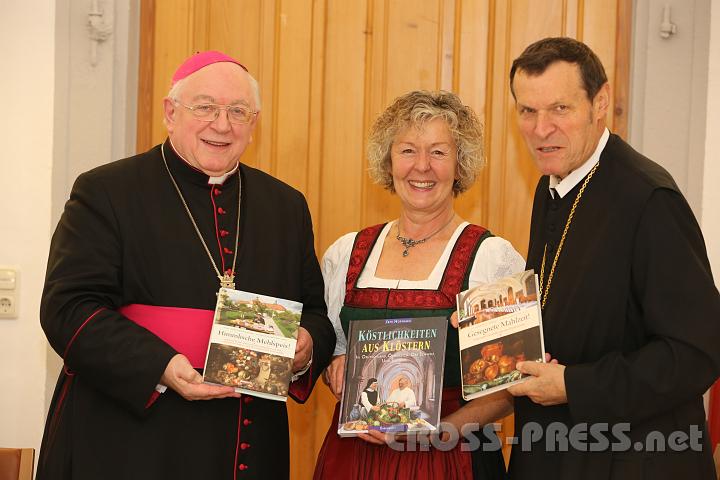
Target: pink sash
[[187, 330]]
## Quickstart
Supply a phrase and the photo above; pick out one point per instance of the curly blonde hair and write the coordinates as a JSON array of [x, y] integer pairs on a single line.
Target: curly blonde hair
[[415, 109]]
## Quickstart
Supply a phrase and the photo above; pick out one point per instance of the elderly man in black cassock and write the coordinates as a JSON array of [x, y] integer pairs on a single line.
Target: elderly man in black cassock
[[630, 311], [136, 261]]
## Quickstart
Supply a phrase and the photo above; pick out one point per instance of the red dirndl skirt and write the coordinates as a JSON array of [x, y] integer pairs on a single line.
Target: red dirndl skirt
[[354, 458]]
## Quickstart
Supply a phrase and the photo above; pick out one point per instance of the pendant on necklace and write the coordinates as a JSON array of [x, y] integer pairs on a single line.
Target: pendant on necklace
[[408, 243], [227, 281]]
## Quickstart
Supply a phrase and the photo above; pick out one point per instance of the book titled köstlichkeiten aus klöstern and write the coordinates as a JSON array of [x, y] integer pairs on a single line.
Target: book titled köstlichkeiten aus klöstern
[[393, 375], [500, 324], [252, 343]]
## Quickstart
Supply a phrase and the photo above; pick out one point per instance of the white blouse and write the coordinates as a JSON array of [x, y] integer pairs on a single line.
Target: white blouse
[[495, 258]]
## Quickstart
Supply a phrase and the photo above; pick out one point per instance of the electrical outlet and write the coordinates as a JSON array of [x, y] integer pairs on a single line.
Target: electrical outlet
[[7, 306]]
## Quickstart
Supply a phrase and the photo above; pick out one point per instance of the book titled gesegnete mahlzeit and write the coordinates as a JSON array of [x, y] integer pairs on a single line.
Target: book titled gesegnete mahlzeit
[[393, 375], [500, 324], [252, 343]]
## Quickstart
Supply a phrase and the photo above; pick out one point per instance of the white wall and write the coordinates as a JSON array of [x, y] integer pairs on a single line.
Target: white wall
[[710, 214], [668, 90], [27, 32]]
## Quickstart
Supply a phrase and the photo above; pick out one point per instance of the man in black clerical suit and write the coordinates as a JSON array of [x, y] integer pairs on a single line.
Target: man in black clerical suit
[[630, 310], [135, 264]]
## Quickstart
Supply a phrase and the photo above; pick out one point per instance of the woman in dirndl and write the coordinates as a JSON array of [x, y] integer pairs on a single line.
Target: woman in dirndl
[[426, 148]]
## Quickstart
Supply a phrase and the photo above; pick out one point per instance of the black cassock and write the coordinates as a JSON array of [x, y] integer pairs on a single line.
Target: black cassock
[[125, 238], [634, 314]]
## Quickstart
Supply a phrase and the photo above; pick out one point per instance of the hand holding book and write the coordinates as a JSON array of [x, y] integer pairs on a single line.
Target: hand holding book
[[181, 377], [303, 350], [376, 437], [546, 385]]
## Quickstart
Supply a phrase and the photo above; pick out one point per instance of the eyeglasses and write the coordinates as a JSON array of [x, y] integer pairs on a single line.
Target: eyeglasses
[[208, 112]]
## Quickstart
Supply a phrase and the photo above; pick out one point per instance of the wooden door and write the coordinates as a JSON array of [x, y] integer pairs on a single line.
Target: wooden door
[[327, 68]]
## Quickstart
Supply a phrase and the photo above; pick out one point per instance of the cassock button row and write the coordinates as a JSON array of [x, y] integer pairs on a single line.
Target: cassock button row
[[551, 227], [247, 399], [247, 422], [221, 211], [553, 206], [227, 251], [217, 191], [242, 466], [244, 446], [224, 233]]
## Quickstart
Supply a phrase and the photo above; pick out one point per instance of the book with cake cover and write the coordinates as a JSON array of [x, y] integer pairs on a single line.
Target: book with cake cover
[[393, 375], [252, 343], [499, 324]]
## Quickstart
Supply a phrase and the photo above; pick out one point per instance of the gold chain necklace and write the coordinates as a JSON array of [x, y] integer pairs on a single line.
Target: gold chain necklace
[[227, 280], [409, 242], [544, 293]]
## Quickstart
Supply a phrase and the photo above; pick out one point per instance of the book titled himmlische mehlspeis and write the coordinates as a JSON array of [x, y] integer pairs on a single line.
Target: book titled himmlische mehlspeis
[[252, 343], [500, 324], [393, 375]]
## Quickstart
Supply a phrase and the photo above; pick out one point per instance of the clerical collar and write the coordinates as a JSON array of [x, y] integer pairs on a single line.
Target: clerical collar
[[210, 180], [562, 187]]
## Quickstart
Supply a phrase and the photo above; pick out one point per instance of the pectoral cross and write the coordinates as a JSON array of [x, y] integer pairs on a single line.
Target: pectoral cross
[[227, 281]]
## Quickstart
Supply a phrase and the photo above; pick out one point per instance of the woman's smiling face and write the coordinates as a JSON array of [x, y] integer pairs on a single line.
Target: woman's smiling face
[[424, 166]]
